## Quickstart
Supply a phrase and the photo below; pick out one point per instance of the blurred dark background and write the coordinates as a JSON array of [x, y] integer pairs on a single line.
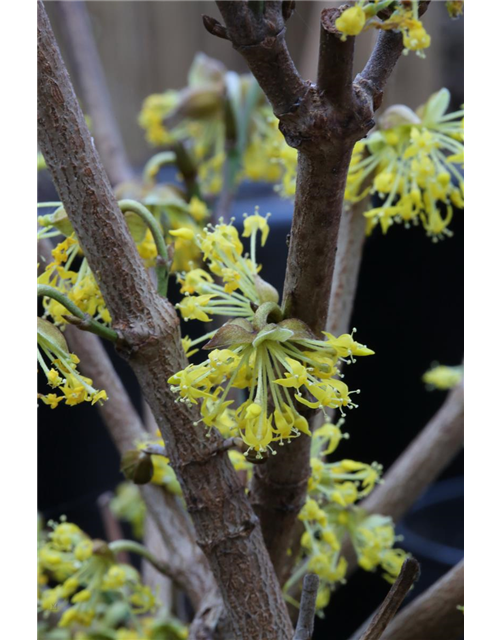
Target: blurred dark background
[[409, 306]]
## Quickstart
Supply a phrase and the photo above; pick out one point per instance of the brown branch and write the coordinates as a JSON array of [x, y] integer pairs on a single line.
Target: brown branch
[[159, 583], [226, 527], [90, 78], [382, 61], [410, 572], [433, 615], [380, 65], [307, 611], [335, 60], [180, 555], [260, 38], [126, 430], [111, 525], [347, 265], [323, 122]]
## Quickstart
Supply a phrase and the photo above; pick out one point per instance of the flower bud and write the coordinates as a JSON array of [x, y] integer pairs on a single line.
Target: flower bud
[[137, 466]]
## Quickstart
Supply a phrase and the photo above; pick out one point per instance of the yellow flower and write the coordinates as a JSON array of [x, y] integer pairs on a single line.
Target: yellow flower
[[198, 209], [442, 377], [191, 307], [351, 21], [183, 232], [415, 37], [296, 376], [254, 223]]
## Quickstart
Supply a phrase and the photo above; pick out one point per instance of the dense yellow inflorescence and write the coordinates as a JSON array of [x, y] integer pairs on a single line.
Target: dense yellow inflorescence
[[279, 364], [81, 582], [330, 514]]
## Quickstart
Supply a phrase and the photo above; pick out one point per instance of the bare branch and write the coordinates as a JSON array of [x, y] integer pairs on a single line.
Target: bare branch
[[260, 38], [226, 528], [307, 611], [335, 60], [158, 582], [379, 67], [382, 61], [434, 614], [347, 266], [410, 572], [421, 463], [90, 77]]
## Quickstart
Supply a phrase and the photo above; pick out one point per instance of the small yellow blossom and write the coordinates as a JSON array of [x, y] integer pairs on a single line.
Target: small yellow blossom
[[443, 377], [351, 21]]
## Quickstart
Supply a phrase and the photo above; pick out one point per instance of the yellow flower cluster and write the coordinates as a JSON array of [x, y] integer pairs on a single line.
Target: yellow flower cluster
[[443, 377], [404, 18], [61, 373], [88, 578], [273, 360], [196, 116], [330, 514], [415, 159], [79, 286]]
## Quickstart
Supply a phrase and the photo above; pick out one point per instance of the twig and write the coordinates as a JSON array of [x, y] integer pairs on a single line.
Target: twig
[[164, 261], [159, 583], [307, 611], [409, 573], [260, 38], [91, 80], [433, 615], [80, 319], [382, 61], [226, 527]]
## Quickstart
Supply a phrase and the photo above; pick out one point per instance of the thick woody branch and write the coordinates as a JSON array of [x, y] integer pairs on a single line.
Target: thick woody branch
[[186, 563], [335, 60], [178, 553], [410, 572], [226, 527], [260, 38], [422, 462], [90, 79], [323, 122], [307, 611], [434, 614]]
